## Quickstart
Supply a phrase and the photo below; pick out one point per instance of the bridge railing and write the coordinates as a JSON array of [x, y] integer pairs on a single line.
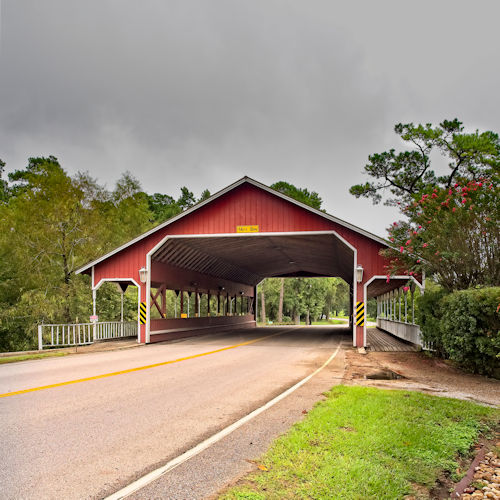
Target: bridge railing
[[73, 334], [396, 315]]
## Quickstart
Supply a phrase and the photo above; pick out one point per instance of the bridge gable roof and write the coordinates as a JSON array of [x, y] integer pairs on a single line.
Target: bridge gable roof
[[246, 202]]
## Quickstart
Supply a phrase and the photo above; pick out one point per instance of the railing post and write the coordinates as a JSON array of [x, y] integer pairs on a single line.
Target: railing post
[[40, 340]]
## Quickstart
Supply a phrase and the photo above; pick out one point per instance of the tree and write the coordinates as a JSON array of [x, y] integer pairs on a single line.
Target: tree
[[407, 173], [451, 225], [453, 234], [4, 188], [187, 199], [164, 207], [300, 194], [51, 225]]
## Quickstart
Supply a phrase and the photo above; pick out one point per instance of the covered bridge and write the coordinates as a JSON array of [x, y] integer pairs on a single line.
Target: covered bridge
[[226, 245]]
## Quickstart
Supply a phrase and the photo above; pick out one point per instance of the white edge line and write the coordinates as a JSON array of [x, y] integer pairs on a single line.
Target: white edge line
[[153, 475]]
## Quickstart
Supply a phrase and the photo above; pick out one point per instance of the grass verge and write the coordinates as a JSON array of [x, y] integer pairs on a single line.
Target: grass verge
[[330, 322], [366, 443], [25, 357]]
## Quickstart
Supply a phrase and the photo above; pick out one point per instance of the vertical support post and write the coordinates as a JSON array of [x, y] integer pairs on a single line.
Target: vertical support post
[[399, 302], [121, 313], [359, 319], [256, 303], [413, 307], [208, 303], [40, 340], [94, 329], [142, 333], [164, 301], [350, 312], [182, 302], [406, 307], [218, 304], [196, 304]]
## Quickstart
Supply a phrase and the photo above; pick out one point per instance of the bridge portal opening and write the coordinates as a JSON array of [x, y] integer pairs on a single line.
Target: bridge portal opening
[[198, 281]]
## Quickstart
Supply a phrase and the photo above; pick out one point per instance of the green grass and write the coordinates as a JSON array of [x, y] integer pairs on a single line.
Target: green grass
[[25, 357], [366, 443], [329, 322]]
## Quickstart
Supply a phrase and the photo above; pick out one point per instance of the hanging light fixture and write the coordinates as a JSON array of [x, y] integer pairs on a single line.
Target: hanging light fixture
[[143, 274], [359, 273]]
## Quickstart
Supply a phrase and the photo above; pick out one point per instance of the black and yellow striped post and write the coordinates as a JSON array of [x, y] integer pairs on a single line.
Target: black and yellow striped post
[[142, 313], [360, 313]]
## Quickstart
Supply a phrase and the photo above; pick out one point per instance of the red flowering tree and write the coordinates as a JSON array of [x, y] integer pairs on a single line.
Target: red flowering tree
[[452, 234]]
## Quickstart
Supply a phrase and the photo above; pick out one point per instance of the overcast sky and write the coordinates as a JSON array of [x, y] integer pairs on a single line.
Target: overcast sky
[[201, 93]]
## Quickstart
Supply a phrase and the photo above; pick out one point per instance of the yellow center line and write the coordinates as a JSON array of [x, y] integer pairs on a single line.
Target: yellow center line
[[139, 368]]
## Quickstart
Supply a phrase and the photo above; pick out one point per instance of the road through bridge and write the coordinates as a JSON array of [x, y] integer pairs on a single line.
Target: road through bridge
[[85, 426]]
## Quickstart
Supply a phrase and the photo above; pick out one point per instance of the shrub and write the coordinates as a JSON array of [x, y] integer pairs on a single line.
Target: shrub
[[470, 329], [463, 326], [429, 315]]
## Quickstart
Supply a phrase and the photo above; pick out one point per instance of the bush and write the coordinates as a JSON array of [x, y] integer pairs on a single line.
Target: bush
[[464, 326], [429, 315], [471, 329]]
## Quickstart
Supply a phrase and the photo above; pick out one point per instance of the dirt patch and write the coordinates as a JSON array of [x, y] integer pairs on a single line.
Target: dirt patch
[[421, 372]]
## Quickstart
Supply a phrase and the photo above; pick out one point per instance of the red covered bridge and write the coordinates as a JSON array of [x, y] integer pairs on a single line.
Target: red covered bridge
[[226, 245]]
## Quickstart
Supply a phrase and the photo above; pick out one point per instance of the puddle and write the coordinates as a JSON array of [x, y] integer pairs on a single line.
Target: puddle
[[384, 375]]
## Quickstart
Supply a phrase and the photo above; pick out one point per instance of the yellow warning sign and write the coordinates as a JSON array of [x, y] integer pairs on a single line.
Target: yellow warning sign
[[247, 229], [184, 315], [360, 313], [142, 313]]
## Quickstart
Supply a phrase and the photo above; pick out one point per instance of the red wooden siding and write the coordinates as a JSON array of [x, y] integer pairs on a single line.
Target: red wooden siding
[[244, 205]]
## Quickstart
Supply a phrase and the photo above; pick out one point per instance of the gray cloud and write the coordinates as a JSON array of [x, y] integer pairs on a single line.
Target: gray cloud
[[201, 93]]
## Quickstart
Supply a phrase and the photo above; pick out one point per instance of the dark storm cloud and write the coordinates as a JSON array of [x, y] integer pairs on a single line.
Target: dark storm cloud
[[201, 93]]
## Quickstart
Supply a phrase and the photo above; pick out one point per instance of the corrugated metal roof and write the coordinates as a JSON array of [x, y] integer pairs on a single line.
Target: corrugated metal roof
[[250, 259]]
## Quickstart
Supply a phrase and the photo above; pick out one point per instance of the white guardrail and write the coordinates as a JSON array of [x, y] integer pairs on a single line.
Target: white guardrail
[[406, 331], [65, 335]]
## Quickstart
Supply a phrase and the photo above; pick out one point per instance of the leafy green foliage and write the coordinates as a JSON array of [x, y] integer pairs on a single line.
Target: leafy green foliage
[[406, 173], [164, 207], [358, 445], [309, 298], [50, 225], [463, 326], [470, 329], [303, 195], [4, 188]]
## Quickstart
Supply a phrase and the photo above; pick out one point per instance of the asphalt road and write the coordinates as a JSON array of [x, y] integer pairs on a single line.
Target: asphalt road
[[89, 439]]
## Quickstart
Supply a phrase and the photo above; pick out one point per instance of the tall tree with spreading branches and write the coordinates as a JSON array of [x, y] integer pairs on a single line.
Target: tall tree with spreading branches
[[451, 221]]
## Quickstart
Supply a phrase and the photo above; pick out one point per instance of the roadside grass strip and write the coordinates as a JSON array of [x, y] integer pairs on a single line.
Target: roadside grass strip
[[27, 357], [366, 443]]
